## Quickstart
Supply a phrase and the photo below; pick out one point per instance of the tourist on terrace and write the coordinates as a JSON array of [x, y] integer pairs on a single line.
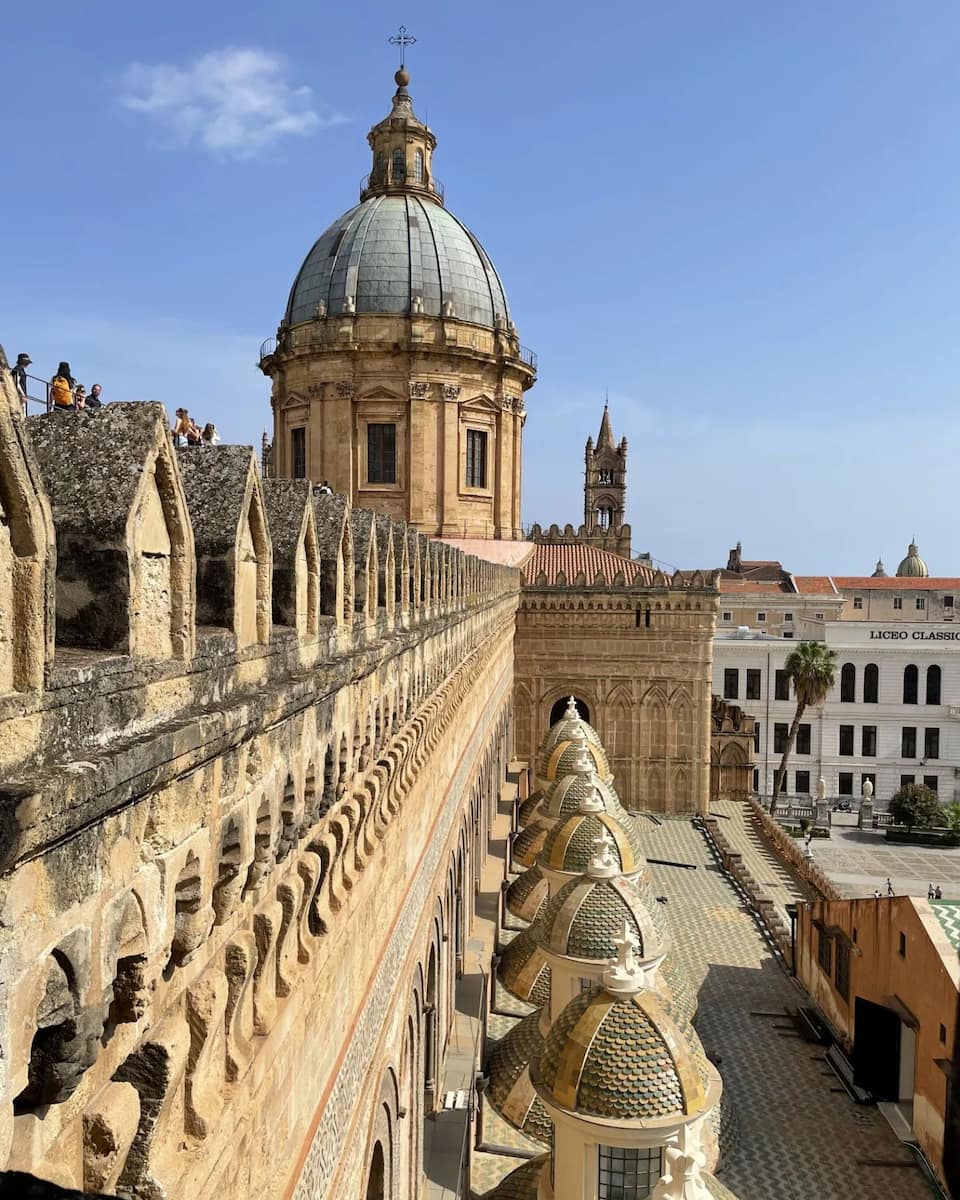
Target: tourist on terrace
[[61, 387], [210, 437], [193, 432], [181, 425], [80, 397], [324, 489], [93, 400], [19, 373]]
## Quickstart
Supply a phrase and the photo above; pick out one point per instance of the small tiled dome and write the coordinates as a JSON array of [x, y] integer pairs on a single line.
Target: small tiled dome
[[586, 915], [626, 1058], [529, 809], [569, 846], [565, 756], [527, 895], [524, 971], [511, 1091], [523, 1183], [529, 842], [563, 797], [571, 725], [913, 566]]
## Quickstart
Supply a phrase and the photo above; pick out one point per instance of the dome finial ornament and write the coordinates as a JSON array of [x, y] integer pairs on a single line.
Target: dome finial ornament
[[603, 865], [626, 976], [403, 40]]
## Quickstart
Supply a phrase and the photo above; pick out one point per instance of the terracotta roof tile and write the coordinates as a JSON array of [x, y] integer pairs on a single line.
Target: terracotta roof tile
[[729, 587], [866, 583], [573, 558], [818, 585]]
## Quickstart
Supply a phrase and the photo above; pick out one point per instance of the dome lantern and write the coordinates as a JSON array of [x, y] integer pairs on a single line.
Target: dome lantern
[[403, 149], [913, 566]]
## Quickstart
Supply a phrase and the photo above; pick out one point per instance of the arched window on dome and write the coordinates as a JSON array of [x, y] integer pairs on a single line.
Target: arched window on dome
[[418, 167], [379, 167], [399, 171]]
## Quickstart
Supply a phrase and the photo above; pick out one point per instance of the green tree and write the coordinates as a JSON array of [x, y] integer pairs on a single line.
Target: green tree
[[917, 807], [812, 669]]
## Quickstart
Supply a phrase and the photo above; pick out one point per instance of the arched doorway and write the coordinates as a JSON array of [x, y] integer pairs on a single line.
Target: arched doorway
[[376, 1180], [558, 710]]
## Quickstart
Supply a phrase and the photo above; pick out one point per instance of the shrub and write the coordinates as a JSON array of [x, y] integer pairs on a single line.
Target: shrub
[[917, 807]]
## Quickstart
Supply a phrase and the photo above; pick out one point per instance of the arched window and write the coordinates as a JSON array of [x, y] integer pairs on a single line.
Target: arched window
[[418, 167], [376, 1180], [399, 169], [871, 684], [558, 710], [910, 677], [605, 517], [379, 167], [848, 683], [933, 685]]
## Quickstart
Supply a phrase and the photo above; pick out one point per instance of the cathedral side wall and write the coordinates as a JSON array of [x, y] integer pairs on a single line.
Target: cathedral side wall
[[647, 686]]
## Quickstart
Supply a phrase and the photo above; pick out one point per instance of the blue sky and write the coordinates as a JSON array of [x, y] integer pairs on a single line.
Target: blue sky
[[739, 218]]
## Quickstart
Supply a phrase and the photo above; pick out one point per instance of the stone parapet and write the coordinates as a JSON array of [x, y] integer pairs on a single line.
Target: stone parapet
[[233, 875]]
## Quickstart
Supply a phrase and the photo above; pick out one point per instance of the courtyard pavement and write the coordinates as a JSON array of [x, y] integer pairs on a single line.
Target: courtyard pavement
[[799, 1135], [858, 861]]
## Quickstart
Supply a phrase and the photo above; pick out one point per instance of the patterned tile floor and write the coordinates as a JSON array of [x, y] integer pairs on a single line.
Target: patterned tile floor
[[800, 1136]]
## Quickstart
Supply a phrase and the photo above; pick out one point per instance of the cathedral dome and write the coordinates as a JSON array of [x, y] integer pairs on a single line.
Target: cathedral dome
[[913, 566], [399, 254]]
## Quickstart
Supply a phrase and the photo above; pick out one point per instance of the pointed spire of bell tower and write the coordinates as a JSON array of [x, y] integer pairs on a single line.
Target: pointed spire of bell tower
[[605, 490], [605, 439]]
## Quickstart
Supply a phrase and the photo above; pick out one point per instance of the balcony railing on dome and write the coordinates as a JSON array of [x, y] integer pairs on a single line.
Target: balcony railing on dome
[[269, 347], [528, 356], [431, 187]]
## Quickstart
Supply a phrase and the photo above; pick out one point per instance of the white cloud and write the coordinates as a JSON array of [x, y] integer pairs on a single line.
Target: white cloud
[[233, 102]]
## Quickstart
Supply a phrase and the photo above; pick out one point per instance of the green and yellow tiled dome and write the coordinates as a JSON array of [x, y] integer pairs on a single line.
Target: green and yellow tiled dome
[[586, 915], [529, 809], [529, 842], [524, 971], [570, 844], [566, 755], [563, 797], [527, 895], [510, 1090], [521, 1184], [624, 1058], [570, 726]]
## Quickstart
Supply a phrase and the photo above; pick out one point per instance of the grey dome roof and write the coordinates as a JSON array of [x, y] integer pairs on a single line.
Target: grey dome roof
[[390, 250]]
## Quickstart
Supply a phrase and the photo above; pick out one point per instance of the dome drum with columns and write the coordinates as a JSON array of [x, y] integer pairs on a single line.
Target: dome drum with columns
[[397, 373]]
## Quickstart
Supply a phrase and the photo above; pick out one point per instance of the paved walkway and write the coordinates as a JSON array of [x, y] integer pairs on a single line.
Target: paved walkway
[[760, 858], [858, 861], [799, 1136]]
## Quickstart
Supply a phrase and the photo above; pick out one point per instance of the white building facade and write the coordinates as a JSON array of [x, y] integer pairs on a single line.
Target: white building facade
[[892, 717]]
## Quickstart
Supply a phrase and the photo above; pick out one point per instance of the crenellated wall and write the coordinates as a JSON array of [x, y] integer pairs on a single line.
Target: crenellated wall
[[250, 745]]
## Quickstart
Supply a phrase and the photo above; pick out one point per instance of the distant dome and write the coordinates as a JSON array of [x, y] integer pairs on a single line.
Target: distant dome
[[913, 566], [399, 254]]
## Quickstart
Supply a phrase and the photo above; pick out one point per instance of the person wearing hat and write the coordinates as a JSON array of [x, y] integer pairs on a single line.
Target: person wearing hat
[[19, 373]]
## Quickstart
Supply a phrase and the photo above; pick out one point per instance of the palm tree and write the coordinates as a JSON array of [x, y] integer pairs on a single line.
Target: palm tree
[[813, 671]]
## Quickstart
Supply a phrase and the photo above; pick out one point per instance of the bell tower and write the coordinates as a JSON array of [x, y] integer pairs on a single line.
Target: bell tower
[[605, 491]]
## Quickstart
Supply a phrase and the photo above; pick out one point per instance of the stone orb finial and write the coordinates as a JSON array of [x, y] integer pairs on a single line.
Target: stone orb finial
[[402, 77]]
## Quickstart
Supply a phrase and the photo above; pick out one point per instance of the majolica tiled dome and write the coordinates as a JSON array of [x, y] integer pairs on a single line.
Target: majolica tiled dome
[[913, 566], [569, 846], [625, 1058], [529, 842], [564, 757], [511, 1091], [527, 895], [586, 915], [524, 971], [563, 796], [529, 809], [523, 1183], [571, 725]]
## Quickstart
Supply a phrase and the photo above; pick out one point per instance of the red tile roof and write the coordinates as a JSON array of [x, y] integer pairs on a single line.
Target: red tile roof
[[906, 583], [817, 585], [729, 586], [573, 558]]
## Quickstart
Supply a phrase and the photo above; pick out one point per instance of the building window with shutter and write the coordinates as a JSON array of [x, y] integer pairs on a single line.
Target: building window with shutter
[[781, 686], [381, 454], [731, 683], [803, 783], [476, 458], [931, 743], [803, 739], [868, 741], [843, 969], [908, 741], [846, 739], [824, 950], [753, 684]]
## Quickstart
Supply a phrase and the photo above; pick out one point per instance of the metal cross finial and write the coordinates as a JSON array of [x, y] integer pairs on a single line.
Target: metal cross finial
[[402, 39]]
